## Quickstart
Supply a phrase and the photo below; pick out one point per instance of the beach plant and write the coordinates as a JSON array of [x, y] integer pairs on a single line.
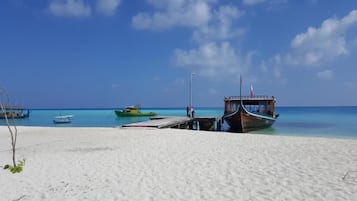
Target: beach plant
[[15, 167]]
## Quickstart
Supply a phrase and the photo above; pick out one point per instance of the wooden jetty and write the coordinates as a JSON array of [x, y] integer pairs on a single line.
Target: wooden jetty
[[208, 123], [181, 122]]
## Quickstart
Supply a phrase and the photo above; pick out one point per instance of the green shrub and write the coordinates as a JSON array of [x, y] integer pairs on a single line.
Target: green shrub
[[17, 168]]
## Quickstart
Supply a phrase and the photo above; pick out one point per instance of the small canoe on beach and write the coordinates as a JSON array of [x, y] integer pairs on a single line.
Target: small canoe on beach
[[62, 119], [133, 111]]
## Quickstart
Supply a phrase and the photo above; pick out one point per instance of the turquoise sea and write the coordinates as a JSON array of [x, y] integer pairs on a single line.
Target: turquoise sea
[[340, 122]]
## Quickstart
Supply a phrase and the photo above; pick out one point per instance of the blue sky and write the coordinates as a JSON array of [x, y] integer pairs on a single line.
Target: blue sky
[[113, 53]]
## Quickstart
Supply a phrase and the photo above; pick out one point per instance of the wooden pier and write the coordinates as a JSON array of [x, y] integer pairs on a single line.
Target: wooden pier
[[181, 122]]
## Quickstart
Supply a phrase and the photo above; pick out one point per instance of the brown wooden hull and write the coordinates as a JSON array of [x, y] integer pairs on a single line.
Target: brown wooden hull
[[14, 115], [244, 121]]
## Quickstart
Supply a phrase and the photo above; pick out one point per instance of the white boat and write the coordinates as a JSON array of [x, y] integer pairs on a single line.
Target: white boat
[[63, 119]]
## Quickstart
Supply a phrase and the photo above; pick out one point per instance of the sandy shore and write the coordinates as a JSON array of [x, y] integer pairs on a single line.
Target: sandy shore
[[169, 164]]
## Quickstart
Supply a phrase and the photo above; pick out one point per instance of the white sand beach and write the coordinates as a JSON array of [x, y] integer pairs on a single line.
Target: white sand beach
[[139, 164]]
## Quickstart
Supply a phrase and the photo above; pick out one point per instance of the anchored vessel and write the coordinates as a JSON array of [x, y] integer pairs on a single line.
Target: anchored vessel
[[62, 119], [248, 113], [15, 112], [133, 111]]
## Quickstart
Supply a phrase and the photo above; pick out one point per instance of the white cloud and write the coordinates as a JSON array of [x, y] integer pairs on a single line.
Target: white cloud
[[187, 13], [317, 46], [213, 29], [272, 4], [212, 60], [252, 2], [69, 8], [82, 8], [221, 25], [350, 85], [273, 65], [207, 22], [107, 7], [321, 45], [327, 74]]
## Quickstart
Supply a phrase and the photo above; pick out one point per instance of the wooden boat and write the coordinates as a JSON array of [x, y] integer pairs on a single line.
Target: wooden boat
[[133, 111], [15, 112], [62, 119], [249, 113]]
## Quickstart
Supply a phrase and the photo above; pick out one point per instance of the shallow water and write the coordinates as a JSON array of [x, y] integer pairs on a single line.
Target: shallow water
[[297, 121]]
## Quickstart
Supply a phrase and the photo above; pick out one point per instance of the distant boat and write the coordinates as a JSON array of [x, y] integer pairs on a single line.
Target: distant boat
[[62, 119], [133, 111], [15, 112], [249, 113]]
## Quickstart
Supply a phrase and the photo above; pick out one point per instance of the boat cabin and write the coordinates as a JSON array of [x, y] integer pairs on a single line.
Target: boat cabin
[[257, 104], [131, 109]]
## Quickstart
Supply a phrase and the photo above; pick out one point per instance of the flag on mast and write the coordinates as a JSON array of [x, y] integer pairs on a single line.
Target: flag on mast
[[251, 91]]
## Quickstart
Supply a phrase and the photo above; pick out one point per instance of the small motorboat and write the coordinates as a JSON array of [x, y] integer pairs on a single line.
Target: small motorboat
[[133, 111], [62, 119]]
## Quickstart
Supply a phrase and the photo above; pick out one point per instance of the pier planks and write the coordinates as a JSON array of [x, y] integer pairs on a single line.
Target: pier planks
[[205, 123], [162, 122]]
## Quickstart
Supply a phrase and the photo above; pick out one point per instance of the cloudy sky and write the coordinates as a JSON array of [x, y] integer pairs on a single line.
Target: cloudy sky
[[113, 53]]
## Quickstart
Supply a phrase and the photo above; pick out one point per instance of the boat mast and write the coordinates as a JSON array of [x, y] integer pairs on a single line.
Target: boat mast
[[240, 90], [240, 87]]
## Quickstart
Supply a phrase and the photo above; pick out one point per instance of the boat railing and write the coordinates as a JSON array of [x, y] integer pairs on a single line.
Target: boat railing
[[9, 107], [259, 97]]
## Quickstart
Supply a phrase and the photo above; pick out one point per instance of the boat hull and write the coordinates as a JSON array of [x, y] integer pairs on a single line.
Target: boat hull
[[65, 119], [62, 121], [120, 113], [14, 112], [14, 116], [244, 121]]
